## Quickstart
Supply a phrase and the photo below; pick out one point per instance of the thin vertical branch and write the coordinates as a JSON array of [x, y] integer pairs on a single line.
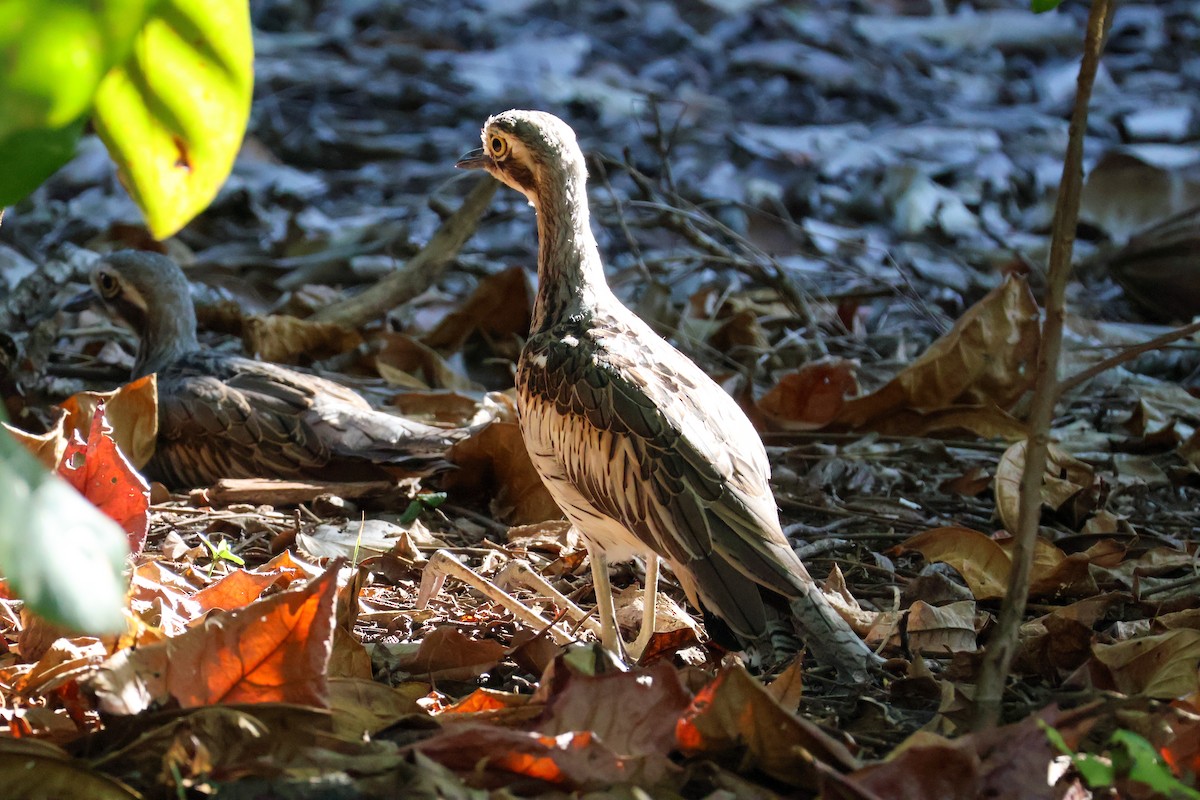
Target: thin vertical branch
[[1002, 646]]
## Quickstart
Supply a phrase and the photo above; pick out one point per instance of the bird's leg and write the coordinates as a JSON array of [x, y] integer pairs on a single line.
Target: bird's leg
[[518, 572], [610, 636], [443, 563], [649, 609]]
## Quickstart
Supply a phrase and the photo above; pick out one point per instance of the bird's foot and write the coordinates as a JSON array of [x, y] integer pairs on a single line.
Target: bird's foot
[[443, 564]]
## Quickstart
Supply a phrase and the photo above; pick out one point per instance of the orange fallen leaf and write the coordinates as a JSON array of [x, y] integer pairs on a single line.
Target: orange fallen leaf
[[272, 651]]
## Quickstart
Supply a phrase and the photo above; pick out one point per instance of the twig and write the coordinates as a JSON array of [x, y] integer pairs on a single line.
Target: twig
[[421, 271], [1126, 354], [1003, 643]]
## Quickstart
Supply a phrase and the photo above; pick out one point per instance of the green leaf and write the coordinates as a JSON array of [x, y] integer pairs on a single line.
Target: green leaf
[[1042, 6], [31, 156], [173, 114], [54, 54], [59, 553]]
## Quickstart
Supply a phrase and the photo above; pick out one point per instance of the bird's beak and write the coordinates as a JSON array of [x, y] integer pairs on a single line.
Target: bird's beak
[[81, 301], [476, 159]]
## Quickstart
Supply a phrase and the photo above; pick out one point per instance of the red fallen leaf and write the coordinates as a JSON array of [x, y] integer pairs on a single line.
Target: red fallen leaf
[[108, 479], [810, 397], [634, 713], [272, 651]]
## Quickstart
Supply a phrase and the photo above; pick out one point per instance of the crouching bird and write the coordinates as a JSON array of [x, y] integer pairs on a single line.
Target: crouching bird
[[642, 451], [224, 416]]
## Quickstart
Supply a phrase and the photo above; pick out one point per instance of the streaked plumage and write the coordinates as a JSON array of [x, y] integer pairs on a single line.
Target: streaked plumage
[[224, 416], [643, 452]]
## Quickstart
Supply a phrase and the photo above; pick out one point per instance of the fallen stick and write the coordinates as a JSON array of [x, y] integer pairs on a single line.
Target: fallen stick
[[421, 271], [286, 493]]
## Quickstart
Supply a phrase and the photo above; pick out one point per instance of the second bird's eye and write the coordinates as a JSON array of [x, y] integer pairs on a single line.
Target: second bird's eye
[[499, 147], [108, 284]]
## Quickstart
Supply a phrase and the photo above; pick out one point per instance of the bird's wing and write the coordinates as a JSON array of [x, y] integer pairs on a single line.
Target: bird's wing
[[209, 430], [651, 441]]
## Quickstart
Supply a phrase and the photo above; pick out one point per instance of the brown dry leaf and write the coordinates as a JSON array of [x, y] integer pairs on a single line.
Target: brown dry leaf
[[1161, 666], [985, 359], [1053, 647], [634, 711], [36, 770], [1004, 763], [981, 561], [46, 447], [445, 654], [500, 306], [494, 463], [440, 406], [984, 421], [363, 707], [940, 630], [195, 744], [735, 712], [1125, 192], [132, 412], [810, 397], [404, 361], [1066, 477], [273, 650], [282, 339], [788, 688], [58, 660]]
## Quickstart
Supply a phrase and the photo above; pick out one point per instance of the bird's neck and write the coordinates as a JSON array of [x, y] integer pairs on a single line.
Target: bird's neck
[[570, 274], [165, 337]]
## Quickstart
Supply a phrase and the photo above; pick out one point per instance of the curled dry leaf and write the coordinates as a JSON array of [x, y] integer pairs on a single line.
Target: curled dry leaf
[[404, 361], [494, 463], [281, 339], [131, 411], [810, 397], [46, 447], [985, 360], [981, 561], [500, 307], [1066, 479]]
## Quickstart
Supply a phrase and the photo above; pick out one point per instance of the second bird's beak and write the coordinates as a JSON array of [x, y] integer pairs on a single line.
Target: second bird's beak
[[81, 301], [476, 159]]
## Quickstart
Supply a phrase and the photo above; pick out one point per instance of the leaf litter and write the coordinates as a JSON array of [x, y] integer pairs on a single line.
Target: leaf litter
[[851, 253]]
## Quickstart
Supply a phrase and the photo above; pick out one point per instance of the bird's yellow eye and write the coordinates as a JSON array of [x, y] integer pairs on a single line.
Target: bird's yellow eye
[[498, 146], [107, 284]]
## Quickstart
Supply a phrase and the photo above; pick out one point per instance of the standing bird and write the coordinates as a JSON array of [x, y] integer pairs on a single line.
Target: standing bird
[[224, 416], [642, 451]]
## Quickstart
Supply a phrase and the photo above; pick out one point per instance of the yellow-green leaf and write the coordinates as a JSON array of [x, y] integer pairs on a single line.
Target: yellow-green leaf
[[53, 54], [173, 115]]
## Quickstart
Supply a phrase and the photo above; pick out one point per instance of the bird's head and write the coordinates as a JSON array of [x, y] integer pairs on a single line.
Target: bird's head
[[531, 151], [150, 293]]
